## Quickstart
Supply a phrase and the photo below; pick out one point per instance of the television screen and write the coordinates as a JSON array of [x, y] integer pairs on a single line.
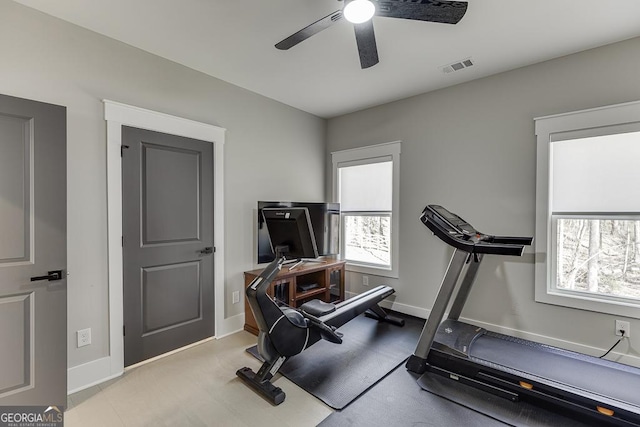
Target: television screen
[[290, 232], [325, 222]]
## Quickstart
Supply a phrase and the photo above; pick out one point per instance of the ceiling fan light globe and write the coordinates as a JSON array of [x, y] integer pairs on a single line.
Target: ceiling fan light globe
[[359, 11]]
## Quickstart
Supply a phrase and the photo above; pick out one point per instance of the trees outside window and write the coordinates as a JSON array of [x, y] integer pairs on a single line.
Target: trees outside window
[[599, 256], [368, 238]]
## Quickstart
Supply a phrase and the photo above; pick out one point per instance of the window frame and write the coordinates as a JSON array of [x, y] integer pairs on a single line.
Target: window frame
[[367, 155], [600, 121]]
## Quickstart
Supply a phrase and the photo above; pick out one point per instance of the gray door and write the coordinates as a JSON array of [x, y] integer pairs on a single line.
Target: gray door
[[33, 314], [167, 196]]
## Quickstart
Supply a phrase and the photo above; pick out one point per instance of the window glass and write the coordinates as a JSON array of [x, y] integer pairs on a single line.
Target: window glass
[[368, 238], [599, 256]]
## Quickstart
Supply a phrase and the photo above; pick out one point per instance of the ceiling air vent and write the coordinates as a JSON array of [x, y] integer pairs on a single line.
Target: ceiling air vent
[[457, 66]]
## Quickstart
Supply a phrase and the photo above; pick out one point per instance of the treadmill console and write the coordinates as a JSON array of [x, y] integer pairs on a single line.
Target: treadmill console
[[458, 233], [456, 224]]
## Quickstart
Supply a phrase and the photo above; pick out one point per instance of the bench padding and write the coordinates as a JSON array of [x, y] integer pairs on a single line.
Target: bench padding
[[318, 308]]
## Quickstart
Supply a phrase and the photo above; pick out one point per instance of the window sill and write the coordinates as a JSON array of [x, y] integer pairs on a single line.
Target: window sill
[[582, 301], [369, 269]]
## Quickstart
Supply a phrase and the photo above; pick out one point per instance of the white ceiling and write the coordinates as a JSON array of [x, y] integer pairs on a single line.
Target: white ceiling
[[233, 40]]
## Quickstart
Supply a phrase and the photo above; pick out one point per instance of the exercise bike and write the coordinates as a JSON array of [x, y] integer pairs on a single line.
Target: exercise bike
[[285, 331]]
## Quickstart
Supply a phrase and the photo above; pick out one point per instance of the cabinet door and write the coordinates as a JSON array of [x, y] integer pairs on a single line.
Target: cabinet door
[[336, 283], [281, 290]]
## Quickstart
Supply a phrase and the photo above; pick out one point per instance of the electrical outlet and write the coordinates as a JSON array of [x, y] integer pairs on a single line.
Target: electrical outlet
[[84, 337], [235, 297], [622, 325], [365, 280]]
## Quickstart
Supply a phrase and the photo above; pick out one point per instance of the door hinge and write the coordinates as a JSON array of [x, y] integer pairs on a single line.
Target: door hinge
[[122, 241], [122, 148], [123, 332]]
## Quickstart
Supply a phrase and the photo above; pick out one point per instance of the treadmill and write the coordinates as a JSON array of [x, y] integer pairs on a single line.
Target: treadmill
[[600, 391]]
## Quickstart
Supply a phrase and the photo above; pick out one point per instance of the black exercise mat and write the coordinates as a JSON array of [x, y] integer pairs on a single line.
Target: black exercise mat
[[398, 400], [339, 373]]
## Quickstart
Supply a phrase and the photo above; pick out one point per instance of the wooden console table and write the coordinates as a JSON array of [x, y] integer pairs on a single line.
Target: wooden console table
[[312, 280]]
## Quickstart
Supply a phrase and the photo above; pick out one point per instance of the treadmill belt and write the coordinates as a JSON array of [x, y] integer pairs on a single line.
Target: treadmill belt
[[598, 376]]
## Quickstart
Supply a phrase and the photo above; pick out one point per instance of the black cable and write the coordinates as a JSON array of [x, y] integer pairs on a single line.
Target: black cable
[[614, 346]]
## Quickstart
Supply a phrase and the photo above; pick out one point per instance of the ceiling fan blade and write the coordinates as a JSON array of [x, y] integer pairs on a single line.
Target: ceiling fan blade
[[312, 29], [366, 40], [446, 12]]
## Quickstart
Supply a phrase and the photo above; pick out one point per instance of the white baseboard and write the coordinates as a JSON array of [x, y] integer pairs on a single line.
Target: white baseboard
[[422, 313], [89, 374], [405, 309], [231, 325], [396, 306]]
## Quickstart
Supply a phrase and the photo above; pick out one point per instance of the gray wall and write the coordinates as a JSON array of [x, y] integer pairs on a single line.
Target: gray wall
[[267, 144], [471, 148]]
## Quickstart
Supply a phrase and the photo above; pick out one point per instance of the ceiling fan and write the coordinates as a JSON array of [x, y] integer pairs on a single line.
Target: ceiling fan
[[361, 12]]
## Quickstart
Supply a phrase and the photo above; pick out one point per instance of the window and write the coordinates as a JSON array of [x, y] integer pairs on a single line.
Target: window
[[366, 186], [365, 194], [588, 210]]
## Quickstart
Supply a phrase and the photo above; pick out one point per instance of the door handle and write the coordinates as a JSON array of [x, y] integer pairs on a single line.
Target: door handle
[[51, 276], [206, 251]]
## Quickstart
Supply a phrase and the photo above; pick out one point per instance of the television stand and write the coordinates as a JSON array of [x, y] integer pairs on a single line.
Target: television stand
[[298, 262]]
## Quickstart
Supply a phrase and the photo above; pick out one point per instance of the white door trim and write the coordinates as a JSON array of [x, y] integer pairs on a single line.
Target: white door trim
[[117, 115]]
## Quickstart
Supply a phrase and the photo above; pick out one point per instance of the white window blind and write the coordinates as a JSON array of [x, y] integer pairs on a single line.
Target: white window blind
[[366, 187], [597, 174]]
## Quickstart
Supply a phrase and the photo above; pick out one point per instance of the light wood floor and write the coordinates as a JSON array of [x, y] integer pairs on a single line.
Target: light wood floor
[[195, 387]]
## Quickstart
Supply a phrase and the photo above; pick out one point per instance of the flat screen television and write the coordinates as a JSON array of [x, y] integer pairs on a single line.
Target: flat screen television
[[291, 233], [325, 221]]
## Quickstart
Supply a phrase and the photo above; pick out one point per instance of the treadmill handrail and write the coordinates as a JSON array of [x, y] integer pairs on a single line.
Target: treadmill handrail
[[480, 243], [513, 240], [498, 249]]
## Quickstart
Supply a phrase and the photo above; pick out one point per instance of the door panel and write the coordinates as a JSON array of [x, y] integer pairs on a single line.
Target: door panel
[[172, 296], [15, 179], [33, 314], [175, 218], [18, 342], [167, 221]]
